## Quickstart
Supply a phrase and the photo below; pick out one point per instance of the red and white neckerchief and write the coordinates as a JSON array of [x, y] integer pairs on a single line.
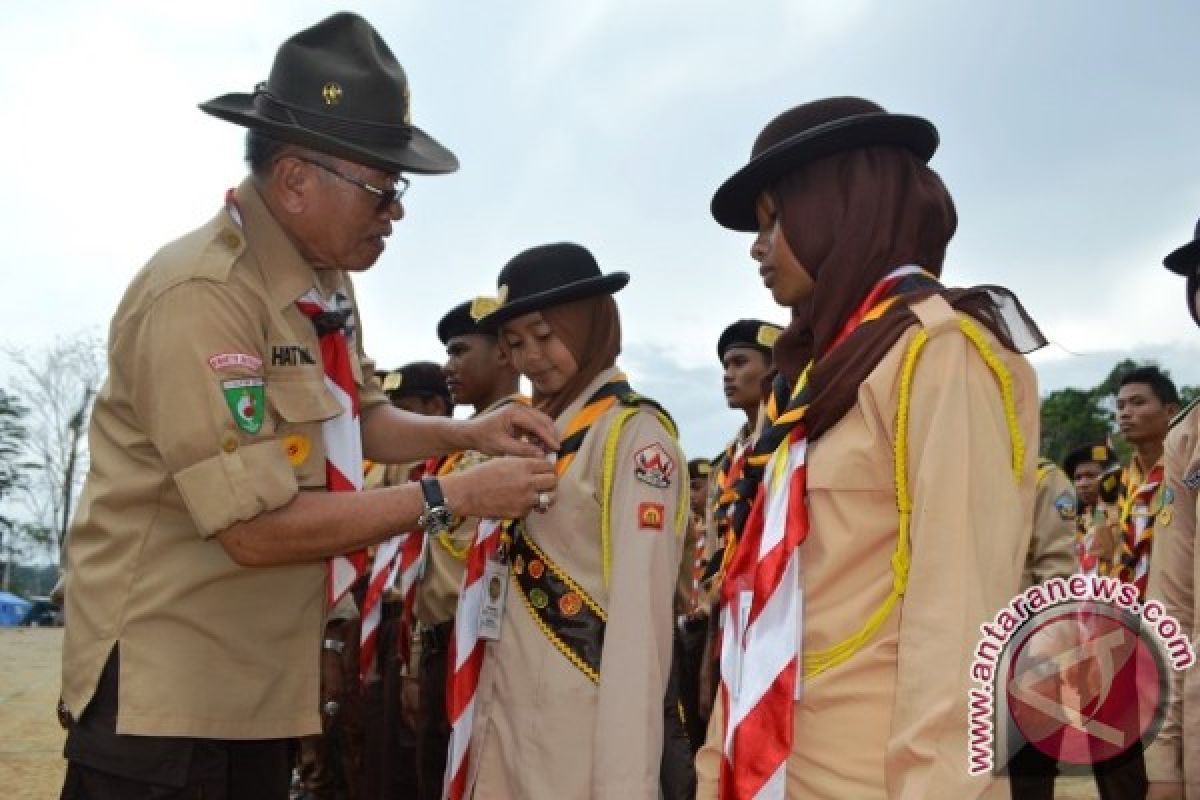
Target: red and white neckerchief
[[465, 658], [397, 562], [341, 434], [1138, 513], [762, 609], [697, 567]]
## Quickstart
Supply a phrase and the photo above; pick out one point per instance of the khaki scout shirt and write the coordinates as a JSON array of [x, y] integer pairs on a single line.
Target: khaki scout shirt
[[209, 649], [542, 728], [1051, 551], [1175, 755], [892, 720]]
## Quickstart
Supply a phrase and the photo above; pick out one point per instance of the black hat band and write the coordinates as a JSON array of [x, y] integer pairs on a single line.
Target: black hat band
[[359, 131]]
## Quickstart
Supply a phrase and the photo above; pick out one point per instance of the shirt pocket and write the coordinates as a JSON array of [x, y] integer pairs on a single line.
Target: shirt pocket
[[837, 464], [298, 408]]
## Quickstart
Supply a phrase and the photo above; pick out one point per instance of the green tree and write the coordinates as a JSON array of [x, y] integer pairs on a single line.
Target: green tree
[[14, 474], [1071, 417]]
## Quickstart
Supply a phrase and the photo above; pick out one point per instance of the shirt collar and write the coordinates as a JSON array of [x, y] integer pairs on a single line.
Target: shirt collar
[[286, 273]]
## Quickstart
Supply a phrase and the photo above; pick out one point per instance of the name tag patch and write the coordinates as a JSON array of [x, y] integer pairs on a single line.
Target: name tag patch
[[290, 355]]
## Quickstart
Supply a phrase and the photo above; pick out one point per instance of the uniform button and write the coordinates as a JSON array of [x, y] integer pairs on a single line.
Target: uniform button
[[231, 240], [229, 441]]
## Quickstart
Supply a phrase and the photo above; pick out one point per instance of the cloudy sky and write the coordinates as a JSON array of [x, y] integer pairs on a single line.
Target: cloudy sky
[[1069, 141]]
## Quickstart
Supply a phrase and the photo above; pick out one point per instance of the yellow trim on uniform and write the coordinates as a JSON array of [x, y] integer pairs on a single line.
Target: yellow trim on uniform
[[546, 630], [822, 660], [608, 474]]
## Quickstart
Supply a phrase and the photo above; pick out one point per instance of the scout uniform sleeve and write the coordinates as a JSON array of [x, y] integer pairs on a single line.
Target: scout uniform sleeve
[[1172, 582], [650, 476], [1051, 550], [194, 365], [969, 533]]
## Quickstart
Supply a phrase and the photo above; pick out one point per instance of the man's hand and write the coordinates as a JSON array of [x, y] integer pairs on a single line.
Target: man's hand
[[1165, 791], [514, 430], [503, 488]]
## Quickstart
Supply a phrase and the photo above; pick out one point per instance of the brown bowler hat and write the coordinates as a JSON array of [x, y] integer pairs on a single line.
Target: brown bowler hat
[[337, 88], [806, 133]]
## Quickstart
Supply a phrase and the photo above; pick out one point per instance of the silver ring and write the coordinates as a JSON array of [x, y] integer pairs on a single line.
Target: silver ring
[[543, 502]]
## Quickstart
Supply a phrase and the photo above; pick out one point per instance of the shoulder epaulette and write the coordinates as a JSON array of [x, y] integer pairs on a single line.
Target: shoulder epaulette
[[632, 399]]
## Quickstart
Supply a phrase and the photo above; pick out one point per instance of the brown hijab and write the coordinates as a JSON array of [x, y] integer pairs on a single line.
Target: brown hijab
[[591, 330], [850, 219]]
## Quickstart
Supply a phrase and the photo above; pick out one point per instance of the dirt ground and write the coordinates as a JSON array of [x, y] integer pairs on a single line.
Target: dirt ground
[[31, 764]]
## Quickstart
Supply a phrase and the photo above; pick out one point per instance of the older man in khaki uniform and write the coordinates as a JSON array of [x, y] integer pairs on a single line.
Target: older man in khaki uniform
[[238, 392], [1173, 759]]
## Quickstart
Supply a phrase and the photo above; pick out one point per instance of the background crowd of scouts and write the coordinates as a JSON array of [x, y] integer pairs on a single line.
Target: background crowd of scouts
[[558, 604]]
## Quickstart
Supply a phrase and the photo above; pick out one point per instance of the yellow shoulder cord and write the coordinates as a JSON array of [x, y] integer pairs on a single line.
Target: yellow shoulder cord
[[459, 553], [817, 662], [608, 476]]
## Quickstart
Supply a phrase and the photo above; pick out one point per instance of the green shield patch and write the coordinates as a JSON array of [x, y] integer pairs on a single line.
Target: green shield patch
[[246, 402]]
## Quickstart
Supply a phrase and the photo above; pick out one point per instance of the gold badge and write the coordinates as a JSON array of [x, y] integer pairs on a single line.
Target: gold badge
[[297, 446], [1165, 516], [1100, 454], [704, 468], [502, 294], [767, 334], [570, 604], [519, 564], [407, 106], [536, 568], [393, 381], [482, 306], [331, 93]]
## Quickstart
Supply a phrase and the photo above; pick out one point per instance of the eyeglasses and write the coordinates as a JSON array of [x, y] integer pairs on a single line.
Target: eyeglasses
[[387, 197]]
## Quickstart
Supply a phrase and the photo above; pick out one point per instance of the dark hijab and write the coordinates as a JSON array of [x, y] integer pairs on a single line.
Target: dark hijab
[[851, 219]]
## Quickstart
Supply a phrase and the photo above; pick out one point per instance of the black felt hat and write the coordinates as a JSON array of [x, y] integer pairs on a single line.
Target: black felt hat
[[420, 378], [337, 88], [546, 276], [753, 333], [806, 133], [464, 319], [1100, 453], [1184, 260]]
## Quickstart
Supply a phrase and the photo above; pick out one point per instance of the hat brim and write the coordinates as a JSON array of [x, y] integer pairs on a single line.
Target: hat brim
[[733, 203], [1184, 260], [420, 154], [589, 287]]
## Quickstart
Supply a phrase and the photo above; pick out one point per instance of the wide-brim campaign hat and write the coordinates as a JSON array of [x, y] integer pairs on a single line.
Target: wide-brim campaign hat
[[549, 275], [1184, 260], [809, 132], [753, 333], [1099, 453], [337, 88]]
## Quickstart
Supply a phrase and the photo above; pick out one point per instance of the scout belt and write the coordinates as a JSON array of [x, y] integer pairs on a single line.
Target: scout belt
[[567, 615]]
